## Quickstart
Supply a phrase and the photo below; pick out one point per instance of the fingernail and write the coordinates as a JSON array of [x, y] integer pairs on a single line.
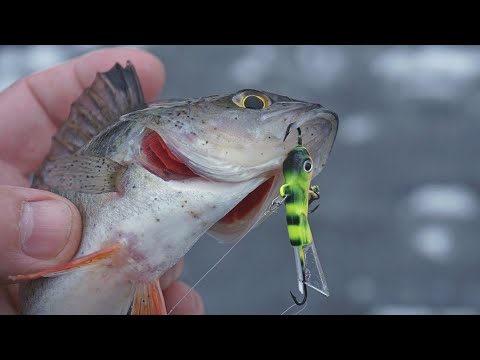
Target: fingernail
[[45, 228]]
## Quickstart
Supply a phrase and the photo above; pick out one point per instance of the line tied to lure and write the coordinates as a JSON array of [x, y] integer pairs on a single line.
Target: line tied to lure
[[276, 203]]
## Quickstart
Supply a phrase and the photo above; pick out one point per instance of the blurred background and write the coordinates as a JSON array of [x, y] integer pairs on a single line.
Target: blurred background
[[398, 214]]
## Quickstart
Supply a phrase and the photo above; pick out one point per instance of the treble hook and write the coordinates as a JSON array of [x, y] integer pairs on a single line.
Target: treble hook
[[299, 134], [304, 290]]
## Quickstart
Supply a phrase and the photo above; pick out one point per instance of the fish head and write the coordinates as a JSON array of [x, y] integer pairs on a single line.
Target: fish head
[[240, 137]]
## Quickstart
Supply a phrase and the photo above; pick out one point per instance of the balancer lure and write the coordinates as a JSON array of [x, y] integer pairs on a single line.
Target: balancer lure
[[298, 194]]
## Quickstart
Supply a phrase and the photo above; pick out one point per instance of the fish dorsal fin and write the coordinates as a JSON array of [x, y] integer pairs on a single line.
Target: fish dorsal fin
[[111, 95]]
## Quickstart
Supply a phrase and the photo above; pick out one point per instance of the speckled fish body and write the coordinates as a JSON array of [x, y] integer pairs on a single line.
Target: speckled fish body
[[155, 178]]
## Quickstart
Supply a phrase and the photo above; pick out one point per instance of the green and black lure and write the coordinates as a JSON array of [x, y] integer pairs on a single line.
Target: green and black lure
[[298, 194]]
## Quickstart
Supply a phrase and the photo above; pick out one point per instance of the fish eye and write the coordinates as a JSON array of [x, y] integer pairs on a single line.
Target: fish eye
[[253, 102], [251, 99], [307, 166]]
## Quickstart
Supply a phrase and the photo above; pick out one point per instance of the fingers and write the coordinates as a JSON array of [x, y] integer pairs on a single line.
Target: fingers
[[33, 108], [38, 230], [192, 304], [78, 74], [172, 275], [9, 175]]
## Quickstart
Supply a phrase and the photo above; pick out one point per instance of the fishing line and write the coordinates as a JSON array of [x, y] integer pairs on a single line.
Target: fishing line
[[293, 305], [203, 277], [299, 311], [275, 204]]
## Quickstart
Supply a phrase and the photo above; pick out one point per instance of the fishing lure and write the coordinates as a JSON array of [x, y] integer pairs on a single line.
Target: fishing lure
[[298, 194]]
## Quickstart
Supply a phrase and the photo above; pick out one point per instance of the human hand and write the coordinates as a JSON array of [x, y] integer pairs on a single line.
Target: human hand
[[39, 229]]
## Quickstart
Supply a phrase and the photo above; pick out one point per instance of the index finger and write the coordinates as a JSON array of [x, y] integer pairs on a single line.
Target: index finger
[[32, 109]]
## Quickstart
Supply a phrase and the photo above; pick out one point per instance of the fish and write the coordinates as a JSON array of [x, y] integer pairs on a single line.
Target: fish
[[150, 180]]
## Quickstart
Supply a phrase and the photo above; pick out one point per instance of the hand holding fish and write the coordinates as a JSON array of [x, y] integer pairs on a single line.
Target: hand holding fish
[[40, 229]]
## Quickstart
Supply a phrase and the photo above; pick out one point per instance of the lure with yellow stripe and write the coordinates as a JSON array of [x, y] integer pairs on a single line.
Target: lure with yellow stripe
[[298, 171]]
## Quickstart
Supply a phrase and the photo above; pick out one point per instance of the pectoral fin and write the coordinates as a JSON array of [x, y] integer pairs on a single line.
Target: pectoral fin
[[148, 299], [83, 173], [87, 260]]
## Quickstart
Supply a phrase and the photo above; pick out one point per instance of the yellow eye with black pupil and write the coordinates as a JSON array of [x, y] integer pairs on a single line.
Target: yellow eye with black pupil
[[253, 102]]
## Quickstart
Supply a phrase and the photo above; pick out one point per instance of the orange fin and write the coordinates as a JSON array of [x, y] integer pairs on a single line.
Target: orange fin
[[148, 300], [80, 262]]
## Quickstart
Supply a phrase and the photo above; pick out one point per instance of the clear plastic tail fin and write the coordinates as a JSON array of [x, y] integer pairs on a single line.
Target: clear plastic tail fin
[[314, 276]]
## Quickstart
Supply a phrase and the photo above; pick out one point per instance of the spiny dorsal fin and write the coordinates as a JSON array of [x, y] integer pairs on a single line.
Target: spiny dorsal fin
[[112, 94]]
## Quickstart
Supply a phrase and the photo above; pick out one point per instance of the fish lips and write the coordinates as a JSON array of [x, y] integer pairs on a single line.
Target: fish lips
[[319, 142]]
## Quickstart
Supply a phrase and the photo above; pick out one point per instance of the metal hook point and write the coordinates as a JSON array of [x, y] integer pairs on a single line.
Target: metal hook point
[[300, 303], [287, 132]]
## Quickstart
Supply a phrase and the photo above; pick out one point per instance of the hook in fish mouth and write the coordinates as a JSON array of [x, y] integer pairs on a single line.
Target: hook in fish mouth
[[216, 158], [299, 140]]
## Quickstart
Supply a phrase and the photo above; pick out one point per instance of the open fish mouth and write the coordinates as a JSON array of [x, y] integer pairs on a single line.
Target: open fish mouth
[[157, 158]]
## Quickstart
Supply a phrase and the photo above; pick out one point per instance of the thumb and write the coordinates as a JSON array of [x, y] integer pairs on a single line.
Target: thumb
[[38, 230]]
